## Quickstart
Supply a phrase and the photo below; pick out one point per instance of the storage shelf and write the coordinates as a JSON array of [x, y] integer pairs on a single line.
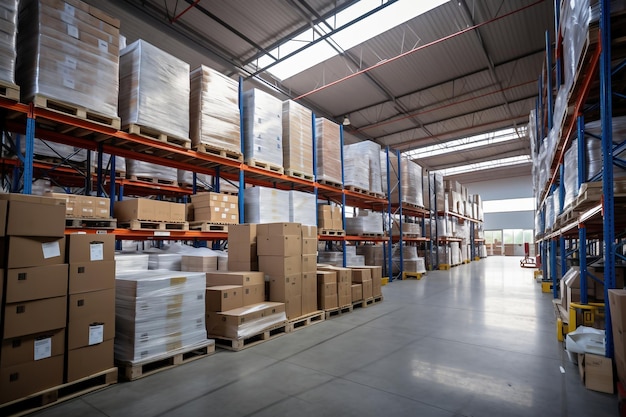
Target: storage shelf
[[458, 216], [127, 234]]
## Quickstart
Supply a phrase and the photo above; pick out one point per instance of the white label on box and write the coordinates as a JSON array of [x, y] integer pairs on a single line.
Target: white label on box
[[161, 233], [101, 232], [51, 250], [72, 31], [43, 348], [96, 334], [217, 209], [69, 83], [71, 62], [103, 45], [96, 251], [69, 9], [223, 215]]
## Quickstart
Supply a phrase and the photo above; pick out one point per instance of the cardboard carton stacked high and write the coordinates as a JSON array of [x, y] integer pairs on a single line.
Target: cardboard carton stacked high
[[362, 166], [215, 208], [68, 51], [617, 303], [236, 306], [361, 274], [242, 248], [362, 287], [154, 90], [329, 217], [343, 279], [8, 35], [262, 116], [84, 206], [214, 107], [297, 139], [328, 143], [34, 310], [91, 304], [302, 208]]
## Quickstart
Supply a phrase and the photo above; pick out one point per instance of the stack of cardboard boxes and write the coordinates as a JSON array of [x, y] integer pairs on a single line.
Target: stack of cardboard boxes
[[329, 217], [297, 139], [343, 278], [242, 248], [149, 210], [215, 208], [375, 274], [617, 303], [84, 206], [327, 290]]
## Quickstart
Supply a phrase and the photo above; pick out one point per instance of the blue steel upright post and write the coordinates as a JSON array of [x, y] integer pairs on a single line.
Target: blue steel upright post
[[389, 219], [242, 184], [343, 195], [28, 155], [400, 241], [314, 155]]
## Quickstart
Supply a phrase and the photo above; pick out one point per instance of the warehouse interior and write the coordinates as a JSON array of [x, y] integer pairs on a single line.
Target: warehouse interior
[[328, 206]]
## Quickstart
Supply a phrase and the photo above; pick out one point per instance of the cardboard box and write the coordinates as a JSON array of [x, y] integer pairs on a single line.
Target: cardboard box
[[377, 275], [25, 215], [33, 347], [90, 248], [344, 294], [253, 294], [91, 318], [242, 233], [279, 229], [143, 209], [91, 276], [285, 245], [89, 360], [19, 381], [280, 267], [242, 251], [309, 264], [361, 275], [226, 323], [617, 305], [597, 288], [327, 296], [243, 265], [309, 246], [309, 232], [293, 307], [4, 206], [284, 289], [245, 278], [326, 277], [224, 297], [367, 289], [337, 224], [37, 316], [25, 252], [357, 292], [343, 274], [24, 284], [596, 372], [309, 293]]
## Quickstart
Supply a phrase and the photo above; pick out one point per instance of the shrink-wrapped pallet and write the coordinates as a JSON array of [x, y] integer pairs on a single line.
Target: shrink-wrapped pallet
[[214, 110], [68, 53], [266, 205], [362, 166], [570, 174], [412, 181], [297, 139], [412, 229], [367, 222], [455, 253], [154, 90], [8, 38], [437, 191], [200, 261], [141, 170], [158, 312], [410, 261], [60, 151], [328, 150], [120, 163], [186, 178], [128, 262], [593, 147], [302, 208], [263, 128]]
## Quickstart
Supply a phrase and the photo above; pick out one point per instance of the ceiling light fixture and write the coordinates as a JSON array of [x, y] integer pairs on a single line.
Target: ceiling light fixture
[[346, 121]]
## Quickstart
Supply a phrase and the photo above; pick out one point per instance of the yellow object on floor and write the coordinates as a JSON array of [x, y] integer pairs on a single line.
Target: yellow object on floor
[[546, 286], [384, 281]]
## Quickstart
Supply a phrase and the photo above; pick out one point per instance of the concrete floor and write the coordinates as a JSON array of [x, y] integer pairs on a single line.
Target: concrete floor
[[478, 340]]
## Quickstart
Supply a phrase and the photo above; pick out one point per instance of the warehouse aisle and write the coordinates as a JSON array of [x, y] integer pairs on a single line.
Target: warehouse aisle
[[478, 340]]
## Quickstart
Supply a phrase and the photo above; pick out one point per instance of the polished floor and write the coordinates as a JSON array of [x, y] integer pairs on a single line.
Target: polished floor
[[478, 340]]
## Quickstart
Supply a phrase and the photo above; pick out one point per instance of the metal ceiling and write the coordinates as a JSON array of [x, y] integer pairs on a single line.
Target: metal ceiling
[[464, 68]]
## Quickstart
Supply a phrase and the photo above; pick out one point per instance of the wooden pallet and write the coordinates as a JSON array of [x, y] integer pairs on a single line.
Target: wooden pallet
[[363, 303], [372, 234], [444, 267], [305, 321], [330, 183], [153, 180], [416, 275], [154, 134], [363, 191], [265, 166], [131, 371], [330, 232], [298, 174], [208, 226], [338, 311], [152, 225], [89, 223], [62, 107], [9, 91], [217, 151], [59, 394], [240, 344]]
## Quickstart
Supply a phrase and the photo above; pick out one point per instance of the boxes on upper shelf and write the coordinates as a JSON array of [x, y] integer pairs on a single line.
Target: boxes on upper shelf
[[84, 205], [262, 117], [149, 210], [214, 207], [327, 139], [297, 138]]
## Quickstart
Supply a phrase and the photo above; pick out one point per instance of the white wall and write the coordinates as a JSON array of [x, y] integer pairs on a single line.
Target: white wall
[[502, 189]]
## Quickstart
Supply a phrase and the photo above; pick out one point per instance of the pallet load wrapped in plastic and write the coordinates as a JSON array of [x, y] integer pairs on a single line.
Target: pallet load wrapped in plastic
[[297, 139], [593, 148], [302, 208], [214, 110], [185, 178], [154, 91], [331, 258], [57, 151], [408, 229], [147, 171], [367, 222], [68, 58], [436, 183], [570, 177], [328, 151], [362, 166], [247, 321], [373, 254], [129, 262], [158, 259], [120, 164], [352, 259], [455, 253], [202, 260], [158, 313], [444, 255], [266, 205], [412, 181], [8, 38], [410, 261], [263, 129]]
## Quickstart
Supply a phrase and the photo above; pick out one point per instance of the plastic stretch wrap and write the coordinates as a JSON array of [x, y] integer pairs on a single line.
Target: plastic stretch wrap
[[532, 133], [266, 205], [120, 163], [412, 181], [142, 169], [157, 312], [570, 177], [366, 222], [251, 327], [154, 89], [407, 228], [128, 262], [205, 261], [328, 150], [538, 230], [560, 106], [186, 178], [411, 262], [336, 258], [455, 253], [438, 191], [362, 166], [263, 127], [444, 255], [67, 54], [549, 212], [167, 261], [302, 208], [222, 261], [593, 147], [55, 150], [8, 36], [214, 110], [297, 138], [374, 254]]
